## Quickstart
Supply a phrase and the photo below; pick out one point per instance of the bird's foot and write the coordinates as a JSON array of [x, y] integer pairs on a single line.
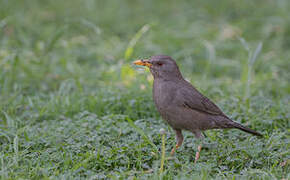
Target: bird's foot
[[197, 155], [173, 150]]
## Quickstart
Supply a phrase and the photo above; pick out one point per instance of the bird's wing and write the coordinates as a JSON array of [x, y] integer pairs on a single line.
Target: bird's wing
[[193, 99]]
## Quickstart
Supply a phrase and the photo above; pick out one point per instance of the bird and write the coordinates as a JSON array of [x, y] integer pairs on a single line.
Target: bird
[[182, 106]]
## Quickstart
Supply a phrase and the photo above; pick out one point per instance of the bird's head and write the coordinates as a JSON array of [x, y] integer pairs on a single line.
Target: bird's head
[[161, 66]]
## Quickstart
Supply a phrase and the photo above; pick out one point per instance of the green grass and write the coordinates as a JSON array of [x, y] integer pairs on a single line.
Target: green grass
[[72, 106]]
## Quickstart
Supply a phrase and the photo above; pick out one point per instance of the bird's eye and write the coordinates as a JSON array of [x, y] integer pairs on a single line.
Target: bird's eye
[[159, 64]]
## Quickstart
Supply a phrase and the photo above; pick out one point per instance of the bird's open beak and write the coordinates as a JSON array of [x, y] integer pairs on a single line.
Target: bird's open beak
[[143, 62]]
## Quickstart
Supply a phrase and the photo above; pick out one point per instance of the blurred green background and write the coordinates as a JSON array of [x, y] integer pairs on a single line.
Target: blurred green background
[[73, 105]]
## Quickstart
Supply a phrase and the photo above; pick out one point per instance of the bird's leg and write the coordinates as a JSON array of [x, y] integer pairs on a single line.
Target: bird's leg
[[199, 136], [179, 140]]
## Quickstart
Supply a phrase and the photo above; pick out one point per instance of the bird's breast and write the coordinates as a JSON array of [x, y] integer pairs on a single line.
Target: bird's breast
[[163, 95]]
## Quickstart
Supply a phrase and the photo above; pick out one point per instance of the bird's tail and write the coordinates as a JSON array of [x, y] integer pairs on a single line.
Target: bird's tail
[[246, 129]]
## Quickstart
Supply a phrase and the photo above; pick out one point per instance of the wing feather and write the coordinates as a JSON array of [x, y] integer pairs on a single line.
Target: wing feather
[[193, 99]]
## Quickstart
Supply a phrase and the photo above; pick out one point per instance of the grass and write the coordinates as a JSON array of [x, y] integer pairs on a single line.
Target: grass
[[73, 107]]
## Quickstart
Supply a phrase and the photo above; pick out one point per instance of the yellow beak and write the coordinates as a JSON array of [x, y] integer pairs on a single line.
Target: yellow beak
[[143, 62]]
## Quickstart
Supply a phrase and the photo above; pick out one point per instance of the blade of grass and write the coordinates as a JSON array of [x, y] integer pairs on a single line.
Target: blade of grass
[[246, 77], [55, 37], [141, 132], [130, 49]]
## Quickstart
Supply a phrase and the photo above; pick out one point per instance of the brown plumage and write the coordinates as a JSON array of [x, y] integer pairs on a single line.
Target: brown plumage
[[182, 105]]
